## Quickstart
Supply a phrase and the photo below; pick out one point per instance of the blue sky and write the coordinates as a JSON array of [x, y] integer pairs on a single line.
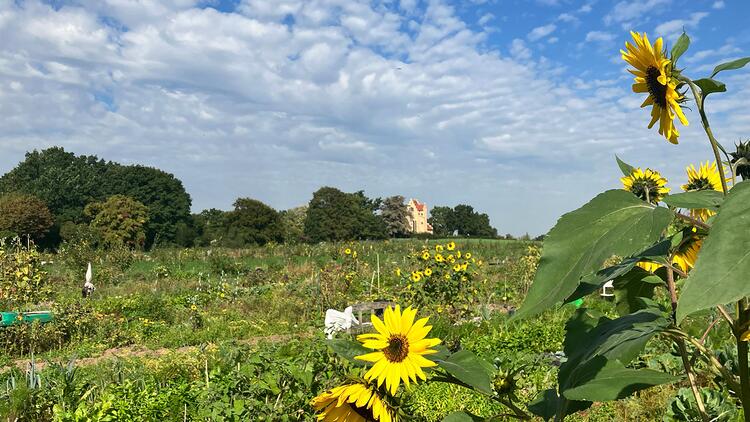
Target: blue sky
[[514, 107]]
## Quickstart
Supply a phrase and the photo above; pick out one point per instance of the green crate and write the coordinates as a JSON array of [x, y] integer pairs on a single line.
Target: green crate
[[10, 318]]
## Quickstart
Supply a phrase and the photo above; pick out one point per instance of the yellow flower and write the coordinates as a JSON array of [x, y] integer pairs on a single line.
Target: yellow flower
[[450, 246], [458, 254], [401, 345], [705, 177], [684, 257], [467, 255], [425, 255], [193, 307], [457, 267], [358, 402], [439, 258], [354, 254], [416, 276], [464, 266], [398, 272], [653, 75], [348, 251], [648, 185], [451, 259], [438, 248], [428, 272]]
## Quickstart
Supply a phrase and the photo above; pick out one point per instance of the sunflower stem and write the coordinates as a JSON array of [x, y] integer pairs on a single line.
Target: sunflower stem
[[693, 221], [740, 325], [698, 96]]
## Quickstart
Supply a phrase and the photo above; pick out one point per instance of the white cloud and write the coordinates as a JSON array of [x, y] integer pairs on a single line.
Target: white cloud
[[541, 31], [672, 29], [625, 12], [718, 4], [485, 19], [247, 104], [567, 17], [599, 36]]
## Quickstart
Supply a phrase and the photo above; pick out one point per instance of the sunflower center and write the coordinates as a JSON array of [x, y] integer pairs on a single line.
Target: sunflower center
[[366, 413], [655, 88], [699, 184], [646, 189], [398, 348]]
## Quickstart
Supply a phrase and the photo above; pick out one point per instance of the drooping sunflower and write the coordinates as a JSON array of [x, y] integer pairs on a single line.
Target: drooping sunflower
[[358, 402], [648, 185], [684, 257], [705, 177], [401, 345], [653, 75]]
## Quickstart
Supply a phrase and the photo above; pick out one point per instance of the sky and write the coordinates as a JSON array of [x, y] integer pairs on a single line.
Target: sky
[[514, 107]]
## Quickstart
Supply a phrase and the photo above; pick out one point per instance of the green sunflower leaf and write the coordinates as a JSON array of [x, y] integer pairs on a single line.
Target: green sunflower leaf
[[548, 404], [468, 369], [721, 271], [615, 222], [348, 349], [626, 168], [734, 64], [614, 381], [462, 417], [708, 199], [680, 47], [709, 86]]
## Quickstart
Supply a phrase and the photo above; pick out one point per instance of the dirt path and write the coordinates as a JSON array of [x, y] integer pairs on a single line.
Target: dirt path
[[136, 351]]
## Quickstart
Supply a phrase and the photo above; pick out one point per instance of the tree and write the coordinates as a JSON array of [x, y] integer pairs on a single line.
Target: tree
[[394, 213], [24, 215], [293, 221], [65, 182], [461, 218], [253, 222], [440, 220], [335, 215], [120, 220], [209, 225], [167, 201]]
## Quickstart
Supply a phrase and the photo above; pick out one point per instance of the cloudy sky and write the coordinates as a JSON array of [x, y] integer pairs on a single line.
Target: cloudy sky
[[515, 107]]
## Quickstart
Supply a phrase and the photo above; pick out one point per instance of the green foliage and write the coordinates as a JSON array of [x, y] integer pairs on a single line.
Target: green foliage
[[614, 223], [461, 218], [333, 215], [252, 223], [67, 183], [708, 199], [22, 279], [24, 215], [393, 211], [293, 221], [718, 406], [120, 220], [720, 274]]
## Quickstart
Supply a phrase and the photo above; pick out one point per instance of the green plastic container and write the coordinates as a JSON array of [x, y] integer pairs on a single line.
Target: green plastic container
[[10, 318]]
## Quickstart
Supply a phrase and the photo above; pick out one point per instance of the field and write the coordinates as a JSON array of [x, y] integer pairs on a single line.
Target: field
[[222, 334]]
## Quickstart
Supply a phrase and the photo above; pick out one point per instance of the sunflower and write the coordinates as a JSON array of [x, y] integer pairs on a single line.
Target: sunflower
[[416, 276], [457, 268], [684, 257], [427, 272], [687, 254], [439, 257], [398, 272], [401, 345], [450, 246], [438, 248], [358, 402], [347, 251], [467, 255], [648, 185], [705, 177], [653, 75], [425, 255]]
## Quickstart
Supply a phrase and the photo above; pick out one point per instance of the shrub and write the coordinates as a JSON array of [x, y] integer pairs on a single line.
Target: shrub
[[24, 215]]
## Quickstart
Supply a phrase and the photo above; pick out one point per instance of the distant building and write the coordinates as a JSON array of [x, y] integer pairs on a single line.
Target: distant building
[[417, 217]]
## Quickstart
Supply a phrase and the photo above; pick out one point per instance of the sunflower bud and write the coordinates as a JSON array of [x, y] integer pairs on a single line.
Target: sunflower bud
[[504, 382], [743, 151]]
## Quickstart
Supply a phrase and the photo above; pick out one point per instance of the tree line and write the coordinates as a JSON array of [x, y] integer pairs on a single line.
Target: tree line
[[54, 196]]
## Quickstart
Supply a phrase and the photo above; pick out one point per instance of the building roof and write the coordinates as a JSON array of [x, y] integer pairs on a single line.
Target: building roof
[[419, 205]]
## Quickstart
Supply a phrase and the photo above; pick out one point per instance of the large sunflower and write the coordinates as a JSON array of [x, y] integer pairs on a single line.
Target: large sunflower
[[648, 185], [705, 177], [352, 403], [401, 345], [653, 75]]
